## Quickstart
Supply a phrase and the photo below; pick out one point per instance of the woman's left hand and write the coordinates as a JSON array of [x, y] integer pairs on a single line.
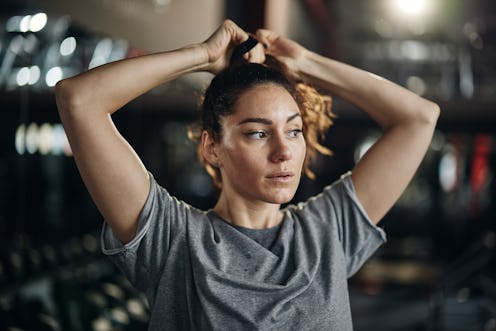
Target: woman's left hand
[[283, 49]]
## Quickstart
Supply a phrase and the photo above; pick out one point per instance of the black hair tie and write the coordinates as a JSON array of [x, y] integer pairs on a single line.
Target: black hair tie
[[241, 49]]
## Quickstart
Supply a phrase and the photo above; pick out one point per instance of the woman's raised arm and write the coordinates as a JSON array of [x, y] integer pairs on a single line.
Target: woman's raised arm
[[408, 120], [112, 172]]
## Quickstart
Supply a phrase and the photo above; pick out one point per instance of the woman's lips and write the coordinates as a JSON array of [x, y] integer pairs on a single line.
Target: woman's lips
[[282, 176]]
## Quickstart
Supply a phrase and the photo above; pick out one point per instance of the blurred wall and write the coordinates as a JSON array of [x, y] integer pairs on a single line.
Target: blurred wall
[[152, 25]]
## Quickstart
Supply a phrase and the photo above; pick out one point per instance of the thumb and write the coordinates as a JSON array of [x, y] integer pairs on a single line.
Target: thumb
[[266, 37], [256, 54], [237, 34]]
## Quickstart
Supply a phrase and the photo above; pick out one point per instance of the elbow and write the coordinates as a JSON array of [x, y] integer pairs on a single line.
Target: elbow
[[435, 112], [62, 95], [65, 96], [430, 114]]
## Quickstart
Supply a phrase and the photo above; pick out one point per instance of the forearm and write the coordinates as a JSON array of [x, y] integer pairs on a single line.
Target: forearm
[[107, 88], [408, 120], [387, 103]]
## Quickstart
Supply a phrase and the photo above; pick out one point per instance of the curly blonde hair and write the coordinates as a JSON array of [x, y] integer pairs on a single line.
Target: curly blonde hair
[[226, 88]]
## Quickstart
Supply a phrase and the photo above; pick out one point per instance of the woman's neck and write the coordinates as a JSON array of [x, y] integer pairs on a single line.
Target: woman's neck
[[248, 214]]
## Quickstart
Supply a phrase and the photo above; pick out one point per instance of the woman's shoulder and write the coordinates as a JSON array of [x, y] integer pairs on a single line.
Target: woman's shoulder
[[337, 190]]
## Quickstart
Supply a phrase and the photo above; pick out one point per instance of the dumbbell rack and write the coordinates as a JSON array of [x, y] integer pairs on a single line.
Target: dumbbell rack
[[65, 286]]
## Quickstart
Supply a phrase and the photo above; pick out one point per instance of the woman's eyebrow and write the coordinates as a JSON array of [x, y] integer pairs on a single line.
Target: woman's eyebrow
[[292, 117], [256, 120], [266, 121]]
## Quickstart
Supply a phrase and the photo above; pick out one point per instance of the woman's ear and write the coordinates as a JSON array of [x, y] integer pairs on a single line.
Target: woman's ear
[[209, 149]]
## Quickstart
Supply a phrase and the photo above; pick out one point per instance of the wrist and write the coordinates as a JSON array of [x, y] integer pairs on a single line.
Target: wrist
[[200, 56], [303, 65]]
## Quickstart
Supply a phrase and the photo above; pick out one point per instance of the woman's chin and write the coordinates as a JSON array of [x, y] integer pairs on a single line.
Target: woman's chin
[[281, 197]]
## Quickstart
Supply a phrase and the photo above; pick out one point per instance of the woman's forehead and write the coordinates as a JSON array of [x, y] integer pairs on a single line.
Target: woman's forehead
[[265, 101]]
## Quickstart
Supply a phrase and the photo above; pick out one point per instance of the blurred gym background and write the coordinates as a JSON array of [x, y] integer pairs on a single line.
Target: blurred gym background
[[437, 271]]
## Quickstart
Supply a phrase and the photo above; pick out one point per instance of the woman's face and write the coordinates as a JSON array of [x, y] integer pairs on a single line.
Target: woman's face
[[262, 149]]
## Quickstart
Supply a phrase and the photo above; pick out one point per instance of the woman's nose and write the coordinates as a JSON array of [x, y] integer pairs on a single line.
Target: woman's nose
[[281, 150]]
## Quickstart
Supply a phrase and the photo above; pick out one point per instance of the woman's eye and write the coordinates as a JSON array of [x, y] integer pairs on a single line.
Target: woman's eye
[[295, 133], [257, 135]]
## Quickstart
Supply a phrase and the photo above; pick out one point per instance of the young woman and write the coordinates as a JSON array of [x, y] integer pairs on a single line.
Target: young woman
[[246, 264]]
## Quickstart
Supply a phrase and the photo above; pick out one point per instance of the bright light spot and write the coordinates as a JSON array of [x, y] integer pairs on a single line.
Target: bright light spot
[[53, 76], [119, 315], [27, 75], [466, 74], [13, 24], [411, 7], [416, 84], [34, 75], [22, 76], [38, 22], [101, 53], [24, 24], [45, 139], [364, 146], [20, 136], [135, 308], [60, 143], [414, 50], [101, 324], [67, 146], [96, 61], [438, 141], [113, 290], [67, 46], [448, 170], [32, 138], [59, 139]]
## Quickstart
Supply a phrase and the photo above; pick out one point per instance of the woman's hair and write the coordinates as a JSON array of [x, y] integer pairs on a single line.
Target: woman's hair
[[226, 88]]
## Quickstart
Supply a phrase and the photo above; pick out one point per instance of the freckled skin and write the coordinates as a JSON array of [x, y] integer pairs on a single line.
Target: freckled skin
[[262, 159]]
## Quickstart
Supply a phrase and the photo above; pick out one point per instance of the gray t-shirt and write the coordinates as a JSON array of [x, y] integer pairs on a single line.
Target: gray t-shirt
[[199, 272]]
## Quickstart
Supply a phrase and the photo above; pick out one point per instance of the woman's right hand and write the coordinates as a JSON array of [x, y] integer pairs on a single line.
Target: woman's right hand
[[220, 44]]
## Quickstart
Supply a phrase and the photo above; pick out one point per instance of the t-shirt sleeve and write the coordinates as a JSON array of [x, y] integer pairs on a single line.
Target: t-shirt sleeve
[[161, 220], [358, 235]]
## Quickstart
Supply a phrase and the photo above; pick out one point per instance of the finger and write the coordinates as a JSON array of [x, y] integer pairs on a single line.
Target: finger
[[256, 55], [243, 49], [266, 37]]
